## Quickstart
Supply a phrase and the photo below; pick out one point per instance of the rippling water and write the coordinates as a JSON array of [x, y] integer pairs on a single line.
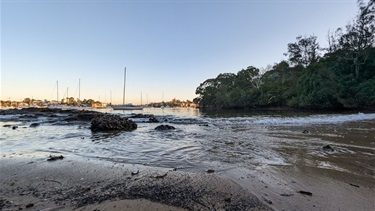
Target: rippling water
[[202, 139]]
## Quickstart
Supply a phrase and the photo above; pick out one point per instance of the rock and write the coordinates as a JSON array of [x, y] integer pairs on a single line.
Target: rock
[[165, 127], [229, 199], [328, 148], [88, 116], [305, 131], [153, 120], [34, 125], [135, 172], [53, 158], [267, 200], [151, 117], [29, 205], [82, 115], [210, 171], [286, 194], [354, 185], [141, 116], [112, 122], [160, 176], [305, 193], [14, 127]]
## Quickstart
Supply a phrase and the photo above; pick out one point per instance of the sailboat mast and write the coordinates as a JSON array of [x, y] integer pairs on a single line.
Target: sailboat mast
[[123, 97], [57, 85], [79, 89]]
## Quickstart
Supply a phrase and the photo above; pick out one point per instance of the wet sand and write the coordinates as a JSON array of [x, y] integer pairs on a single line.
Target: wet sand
[[72, 184], [322, 189]]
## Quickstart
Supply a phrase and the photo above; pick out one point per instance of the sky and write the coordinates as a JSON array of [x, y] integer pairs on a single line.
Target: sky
[[168, 47]]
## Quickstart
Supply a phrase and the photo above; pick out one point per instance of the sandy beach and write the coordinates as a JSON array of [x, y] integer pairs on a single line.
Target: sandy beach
[[68, 184], [74, 184]]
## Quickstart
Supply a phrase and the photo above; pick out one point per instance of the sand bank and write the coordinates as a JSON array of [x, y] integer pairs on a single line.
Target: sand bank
[[73, 184]]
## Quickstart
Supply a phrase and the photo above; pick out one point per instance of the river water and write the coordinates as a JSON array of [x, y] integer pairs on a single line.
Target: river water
[[205, 140]]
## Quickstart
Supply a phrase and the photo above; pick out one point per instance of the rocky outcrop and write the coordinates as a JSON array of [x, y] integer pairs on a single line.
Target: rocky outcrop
[[112, 122], [88, 116], [83, 116], [35, 124], [153, 120], [328, 148], [151, 117], [165, 127], [141, 116]]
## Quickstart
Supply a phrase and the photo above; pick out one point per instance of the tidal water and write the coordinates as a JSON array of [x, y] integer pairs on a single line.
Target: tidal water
[[203, 140]]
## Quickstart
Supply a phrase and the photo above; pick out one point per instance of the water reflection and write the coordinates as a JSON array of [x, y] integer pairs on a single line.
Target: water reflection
[[180, 112], [103, 136]]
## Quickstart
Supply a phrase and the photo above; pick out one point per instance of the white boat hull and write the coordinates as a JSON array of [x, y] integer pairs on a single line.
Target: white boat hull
[[121, 107]]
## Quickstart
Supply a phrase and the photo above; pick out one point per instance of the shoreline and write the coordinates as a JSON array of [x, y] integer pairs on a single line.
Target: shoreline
[[290, 109]]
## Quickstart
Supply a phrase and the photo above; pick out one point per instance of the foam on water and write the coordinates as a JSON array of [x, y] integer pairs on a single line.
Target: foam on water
[[306, 120]]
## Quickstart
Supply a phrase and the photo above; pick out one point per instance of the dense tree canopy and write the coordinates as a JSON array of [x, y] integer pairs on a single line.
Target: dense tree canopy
[[344, 77], [303, 52]]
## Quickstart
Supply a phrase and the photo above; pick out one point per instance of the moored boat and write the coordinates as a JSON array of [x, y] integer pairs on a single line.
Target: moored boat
[[124, 106]]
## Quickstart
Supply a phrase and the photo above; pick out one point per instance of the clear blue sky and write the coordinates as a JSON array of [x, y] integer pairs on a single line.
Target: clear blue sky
[[168, 47]]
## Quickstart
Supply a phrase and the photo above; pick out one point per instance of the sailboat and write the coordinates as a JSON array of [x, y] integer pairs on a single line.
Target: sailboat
[[58, 105], [124, 106]]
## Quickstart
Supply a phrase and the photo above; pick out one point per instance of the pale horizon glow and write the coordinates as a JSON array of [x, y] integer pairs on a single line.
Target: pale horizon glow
[[168, 47]]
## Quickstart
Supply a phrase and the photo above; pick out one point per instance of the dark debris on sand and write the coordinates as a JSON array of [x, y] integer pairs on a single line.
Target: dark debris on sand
[[188, 191], [181, 193]]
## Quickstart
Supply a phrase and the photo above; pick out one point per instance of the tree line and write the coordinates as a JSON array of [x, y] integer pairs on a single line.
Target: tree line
[[341, 75]]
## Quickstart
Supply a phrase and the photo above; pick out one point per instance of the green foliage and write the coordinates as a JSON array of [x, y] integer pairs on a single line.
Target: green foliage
[[366, 93], [279, 85], [344, 77], [318, 88], [304, 51], [229, 90]]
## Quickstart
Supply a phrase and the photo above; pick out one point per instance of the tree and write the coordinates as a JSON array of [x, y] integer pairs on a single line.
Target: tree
[[229, 90], [333, 41], [342, 78], [360, 36], [245, 77], [279, 84], [27, 101], [303, 52], [206, 92]]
